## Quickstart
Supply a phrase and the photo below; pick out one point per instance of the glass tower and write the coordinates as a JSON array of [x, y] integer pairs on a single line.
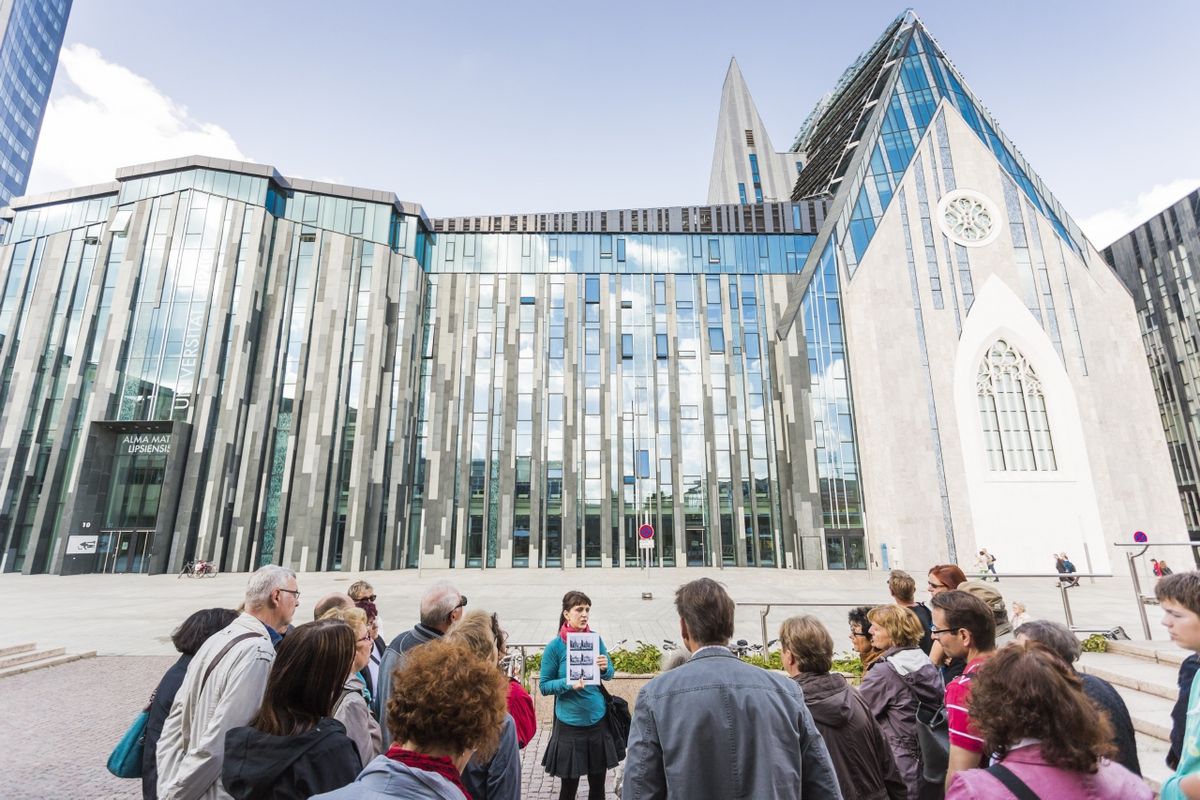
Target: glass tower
[[33, 35]]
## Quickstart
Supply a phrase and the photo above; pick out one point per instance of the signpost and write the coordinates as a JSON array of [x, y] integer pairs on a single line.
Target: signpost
[[646, 543]]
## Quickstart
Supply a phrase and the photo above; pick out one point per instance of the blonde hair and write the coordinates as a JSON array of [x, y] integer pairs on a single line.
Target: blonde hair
[[809, 643], [360, 587], [902, 624], [475, 631], [354, 617]]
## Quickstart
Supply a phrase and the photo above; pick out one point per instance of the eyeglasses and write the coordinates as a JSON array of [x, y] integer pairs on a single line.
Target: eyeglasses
[[462, 601], [860, 633], [940, 631], [295, 592], [364, 638], [933, 585]]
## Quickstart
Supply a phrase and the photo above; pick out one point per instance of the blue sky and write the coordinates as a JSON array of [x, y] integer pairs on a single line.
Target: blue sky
[[474, 108]]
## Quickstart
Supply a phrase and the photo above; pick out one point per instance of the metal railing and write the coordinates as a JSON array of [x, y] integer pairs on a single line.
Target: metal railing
[[766, 609], [1066, 580], [1141, 599]]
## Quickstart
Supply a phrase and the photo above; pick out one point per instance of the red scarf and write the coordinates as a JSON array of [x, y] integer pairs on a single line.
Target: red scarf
[[440, 765], [565, 629]]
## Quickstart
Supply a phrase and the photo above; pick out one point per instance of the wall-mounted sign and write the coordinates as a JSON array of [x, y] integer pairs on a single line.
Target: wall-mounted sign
[[145, 443], [81, 545]]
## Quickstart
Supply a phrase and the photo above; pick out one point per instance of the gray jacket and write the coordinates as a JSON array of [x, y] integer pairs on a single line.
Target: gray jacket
[[718, 727], [393, 660], [353, 712], [498, 778], [191, 748], [384, 778]]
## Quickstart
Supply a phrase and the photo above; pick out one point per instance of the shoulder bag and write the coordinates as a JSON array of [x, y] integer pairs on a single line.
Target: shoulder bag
[[125, 761], [617, 717], [1011, 782]]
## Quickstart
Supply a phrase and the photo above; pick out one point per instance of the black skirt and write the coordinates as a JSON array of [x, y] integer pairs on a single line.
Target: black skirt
[[576, 751]]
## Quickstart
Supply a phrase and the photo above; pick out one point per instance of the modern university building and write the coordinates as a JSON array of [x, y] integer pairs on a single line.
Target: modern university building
[[887, 345], [1159, 261]]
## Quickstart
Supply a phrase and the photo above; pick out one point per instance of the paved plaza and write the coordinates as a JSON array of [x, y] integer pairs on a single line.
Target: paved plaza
[[128, 621]]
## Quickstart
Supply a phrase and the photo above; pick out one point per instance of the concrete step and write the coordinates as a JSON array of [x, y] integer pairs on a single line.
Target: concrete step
[[1161, 652], [54, 661], [28, 656], [1152, 755], [1151, 714], [1133, 672], [16, 648]]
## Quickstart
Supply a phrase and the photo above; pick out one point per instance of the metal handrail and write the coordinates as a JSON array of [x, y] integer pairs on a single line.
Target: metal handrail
[[1065, 580], [1143, 600], [762, 615]]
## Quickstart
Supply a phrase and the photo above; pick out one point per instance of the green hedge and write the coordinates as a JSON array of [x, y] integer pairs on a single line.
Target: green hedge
[[647, 659]]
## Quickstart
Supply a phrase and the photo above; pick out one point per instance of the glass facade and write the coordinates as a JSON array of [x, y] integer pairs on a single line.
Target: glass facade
[[33, 35], [924, 77], [1158, 261], [345, 384]]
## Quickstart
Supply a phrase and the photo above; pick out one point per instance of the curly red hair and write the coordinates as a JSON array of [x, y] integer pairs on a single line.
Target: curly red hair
[[1026, 691], [447, 700]]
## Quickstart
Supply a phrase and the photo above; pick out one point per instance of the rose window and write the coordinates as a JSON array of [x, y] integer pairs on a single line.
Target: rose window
[[969, 218]]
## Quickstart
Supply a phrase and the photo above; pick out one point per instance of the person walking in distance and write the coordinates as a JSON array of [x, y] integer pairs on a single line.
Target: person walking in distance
[[716, 726], [965, 628], [989, 562], [580, 742], [223, 688], [441, 606]]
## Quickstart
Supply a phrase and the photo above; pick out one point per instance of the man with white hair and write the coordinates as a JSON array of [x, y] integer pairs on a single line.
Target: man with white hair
[[441, 606], [223, 688]]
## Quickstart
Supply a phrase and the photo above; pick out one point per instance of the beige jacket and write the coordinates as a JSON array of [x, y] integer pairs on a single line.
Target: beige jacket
[[192, 746], [361, 727]]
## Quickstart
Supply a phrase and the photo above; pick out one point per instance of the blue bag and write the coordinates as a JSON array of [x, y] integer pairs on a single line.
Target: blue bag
[[126, 758]]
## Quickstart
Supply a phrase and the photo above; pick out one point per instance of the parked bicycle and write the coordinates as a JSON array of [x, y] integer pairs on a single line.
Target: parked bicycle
[[198, 569]]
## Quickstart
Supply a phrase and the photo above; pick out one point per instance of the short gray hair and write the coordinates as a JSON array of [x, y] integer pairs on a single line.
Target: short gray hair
[[265, 580], [438, 603], [1055, 636]]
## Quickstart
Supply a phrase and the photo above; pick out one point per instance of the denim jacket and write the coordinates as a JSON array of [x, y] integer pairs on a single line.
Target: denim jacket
[[718, 727]]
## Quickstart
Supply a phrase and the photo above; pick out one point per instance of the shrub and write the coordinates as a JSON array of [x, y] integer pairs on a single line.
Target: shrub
[[643, 661], [1096, 643]]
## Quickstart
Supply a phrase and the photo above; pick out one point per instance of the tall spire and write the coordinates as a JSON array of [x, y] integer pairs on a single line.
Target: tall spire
[[740, 134]]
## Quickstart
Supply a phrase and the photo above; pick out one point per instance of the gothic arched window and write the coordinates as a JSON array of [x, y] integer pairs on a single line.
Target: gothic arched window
[[1012, 409]]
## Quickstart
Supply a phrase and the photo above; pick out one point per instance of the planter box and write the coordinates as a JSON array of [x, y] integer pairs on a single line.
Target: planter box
[[622, 685]]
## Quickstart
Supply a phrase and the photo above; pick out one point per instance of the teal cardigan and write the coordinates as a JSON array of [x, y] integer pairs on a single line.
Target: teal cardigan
[[578, 707]]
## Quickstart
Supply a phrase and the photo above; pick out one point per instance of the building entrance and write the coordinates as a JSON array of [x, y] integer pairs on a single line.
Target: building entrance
[[123, 551], [845, 550]]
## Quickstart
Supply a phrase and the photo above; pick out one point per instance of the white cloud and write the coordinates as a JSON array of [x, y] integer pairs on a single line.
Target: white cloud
[[1106, 227], [110, 117]]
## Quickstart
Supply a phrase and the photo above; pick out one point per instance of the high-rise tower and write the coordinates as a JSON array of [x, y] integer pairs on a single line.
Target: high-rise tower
[[31, 34]]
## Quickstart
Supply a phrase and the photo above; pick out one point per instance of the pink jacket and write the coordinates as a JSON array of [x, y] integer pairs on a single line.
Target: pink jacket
[[1110, 782]]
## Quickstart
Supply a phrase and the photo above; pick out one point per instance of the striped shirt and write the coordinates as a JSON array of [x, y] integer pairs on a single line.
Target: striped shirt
[[958, 694]]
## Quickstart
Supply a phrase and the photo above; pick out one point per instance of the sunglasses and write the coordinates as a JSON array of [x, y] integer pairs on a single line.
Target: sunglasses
[[370, 597], [462, 602]]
